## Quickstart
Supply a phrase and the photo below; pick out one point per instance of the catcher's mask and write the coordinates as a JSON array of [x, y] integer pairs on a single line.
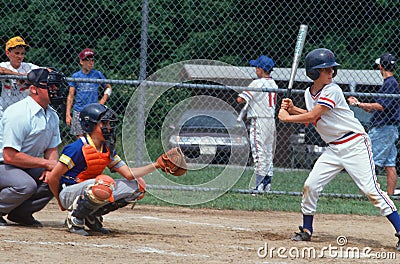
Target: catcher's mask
[[92, 114], [50, 79], [320, 59]]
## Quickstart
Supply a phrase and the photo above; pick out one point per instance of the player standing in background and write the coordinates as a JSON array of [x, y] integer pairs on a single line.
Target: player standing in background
[[14, 90], [348, 148], [85, 93], [261, 114], [384, 120]]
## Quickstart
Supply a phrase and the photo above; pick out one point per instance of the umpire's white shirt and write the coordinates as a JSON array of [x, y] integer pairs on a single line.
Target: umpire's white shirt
[[28, 128]]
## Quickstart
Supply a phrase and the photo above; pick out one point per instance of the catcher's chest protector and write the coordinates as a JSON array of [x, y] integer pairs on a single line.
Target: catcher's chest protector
[[96, 162]]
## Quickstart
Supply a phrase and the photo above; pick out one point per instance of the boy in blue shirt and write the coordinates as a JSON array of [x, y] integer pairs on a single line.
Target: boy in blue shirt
[[86, 93]]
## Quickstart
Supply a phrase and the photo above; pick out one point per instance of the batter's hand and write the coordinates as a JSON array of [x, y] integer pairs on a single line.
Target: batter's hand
[[283, 115], [287, 104]]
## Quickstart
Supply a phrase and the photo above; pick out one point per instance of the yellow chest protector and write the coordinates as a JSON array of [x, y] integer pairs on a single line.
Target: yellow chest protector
[[96, 161]]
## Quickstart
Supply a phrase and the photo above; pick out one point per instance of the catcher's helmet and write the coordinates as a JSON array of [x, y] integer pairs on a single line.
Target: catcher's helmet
[[94, 113], [319, 59]]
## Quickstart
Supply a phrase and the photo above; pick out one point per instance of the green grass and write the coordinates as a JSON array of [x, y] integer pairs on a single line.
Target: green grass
[[290, 181]]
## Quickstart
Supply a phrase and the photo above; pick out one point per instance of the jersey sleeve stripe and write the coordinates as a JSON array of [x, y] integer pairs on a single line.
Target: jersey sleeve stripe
[[249, 94], [67, 161], [327, 100], [326, 104], [115, 160]]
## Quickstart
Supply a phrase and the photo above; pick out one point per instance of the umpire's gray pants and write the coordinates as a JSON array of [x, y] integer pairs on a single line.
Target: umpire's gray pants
[[21, 192]]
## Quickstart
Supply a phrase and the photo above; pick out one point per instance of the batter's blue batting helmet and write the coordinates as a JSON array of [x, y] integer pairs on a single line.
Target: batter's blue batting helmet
[[320, 59]]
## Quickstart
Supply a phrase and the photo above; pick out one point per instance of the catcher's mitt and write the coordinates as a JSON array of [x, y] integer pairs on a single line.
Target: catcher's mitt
[[173, 162]]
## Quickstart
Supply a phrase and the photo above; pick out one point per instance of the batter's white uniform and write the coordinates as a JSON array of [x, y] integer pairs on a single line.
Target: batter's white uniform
[[262, 124], [349, 148], [11, 90]]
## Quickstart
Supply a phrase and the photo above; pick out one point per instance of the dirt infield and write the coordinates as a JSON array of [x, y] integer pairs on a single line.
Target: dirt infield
[[150, 234]]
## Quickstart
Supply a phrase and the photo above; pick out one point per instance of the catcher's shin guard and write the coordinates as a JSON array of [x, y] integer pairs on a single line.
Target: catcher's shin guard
[[137, 195], [111, 207], [86, 204]]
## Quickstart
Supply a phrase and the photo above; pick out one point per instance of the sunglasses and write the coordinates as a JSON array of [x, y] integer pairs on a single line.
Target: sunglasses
[[88, 59]]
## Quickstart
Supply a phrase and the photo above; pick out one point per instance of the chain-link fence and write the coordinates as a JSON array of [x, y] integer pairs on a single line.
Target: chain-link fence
[[195, 57]]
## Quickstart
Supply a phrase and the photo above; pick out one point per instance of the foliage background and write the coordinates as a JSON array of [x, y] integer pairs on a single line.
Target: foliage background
[[230, 31]]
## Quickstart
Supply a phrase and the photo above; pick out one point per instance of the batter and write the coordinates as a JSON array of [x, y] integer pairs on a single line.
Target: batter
[[349, 146]]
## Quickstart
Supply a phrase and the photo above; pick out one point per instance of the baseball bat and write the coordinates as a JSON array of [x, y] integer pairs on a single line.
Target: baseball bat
[[243, 112], [301, 37]]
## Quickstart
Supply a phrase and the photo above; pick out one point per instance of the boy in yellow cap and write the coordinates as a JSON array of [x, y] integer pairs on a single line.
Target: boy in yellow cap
[[14, 90]]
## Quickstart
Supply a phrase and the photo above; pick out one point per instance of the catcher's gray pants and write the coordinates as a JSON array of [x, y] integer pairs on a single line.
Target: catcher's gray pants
[[262, 140], [125, 189], [21, 192]]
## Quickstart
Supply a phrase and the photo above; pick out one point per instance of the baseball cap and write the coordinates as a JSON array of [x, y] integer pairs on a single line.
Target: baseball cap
[[40, 76], [263, 62], [86, 53], [14, 42], [387, 60]]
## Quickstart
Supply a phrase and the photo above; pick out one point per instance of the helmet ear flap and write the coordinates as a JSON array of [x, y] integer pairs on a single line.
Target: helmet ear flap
[[334, 72], [313, 74]]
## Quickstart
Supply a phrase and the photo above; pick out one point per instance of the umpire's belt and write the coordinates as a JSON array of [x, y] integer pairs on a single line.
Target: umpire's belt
[[347, 137]]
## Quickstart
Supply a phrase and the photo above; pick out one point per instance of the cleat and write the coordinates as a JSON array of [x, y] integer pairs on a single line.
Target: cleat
[[76, 225], [78, 230], [398, 243], [303, 235], [2, 221], [29, 221], [95, 223]]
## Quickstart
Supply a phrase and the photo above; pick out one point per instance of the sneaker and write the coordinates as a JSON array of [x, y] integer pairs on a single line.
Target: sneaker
[[257, 190], [303, 235], [260, 187], [267, 183], [2, 221], [76, 225], [398, 242], [24, 220], [95, 223]]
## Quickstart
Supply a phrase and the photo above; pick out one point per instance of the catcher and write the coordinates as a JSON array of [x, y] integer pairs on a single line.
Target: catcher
[[77, 181]]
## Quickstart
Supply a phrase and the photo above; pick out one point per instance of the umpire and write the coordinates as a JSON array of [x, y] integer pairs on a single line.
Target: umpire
[[29, 136]]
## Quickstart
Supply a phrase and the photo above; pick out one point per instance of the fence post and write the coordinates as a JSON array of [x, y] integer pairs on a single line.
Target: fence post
[[142, 88]]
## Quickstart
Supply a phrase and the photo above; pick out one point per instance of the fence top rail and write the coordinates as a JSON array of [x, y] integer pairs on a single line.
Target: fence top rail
[[149, 84]]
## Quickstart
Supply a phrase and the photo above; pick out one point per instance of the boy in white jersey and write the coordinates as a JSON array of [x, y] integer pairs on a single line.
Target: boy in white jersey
[[261, 114], [14, 90], [348, 148]]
